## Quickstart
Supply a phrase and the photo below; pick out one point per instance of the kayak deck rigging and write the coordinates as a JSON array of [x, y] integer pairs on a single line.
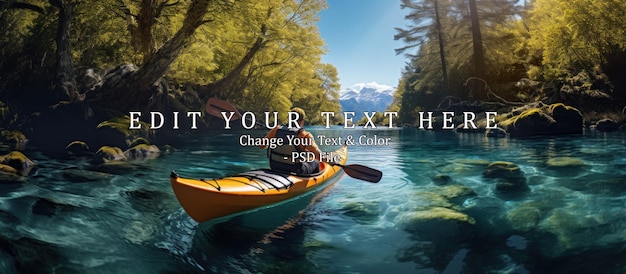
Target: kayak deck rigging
[[262, 179]]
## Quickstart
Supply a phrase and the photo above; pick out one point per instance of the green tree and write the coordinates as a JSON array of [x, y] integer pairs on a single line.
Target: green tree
[[425, 18], [575, 35], [467, 36]]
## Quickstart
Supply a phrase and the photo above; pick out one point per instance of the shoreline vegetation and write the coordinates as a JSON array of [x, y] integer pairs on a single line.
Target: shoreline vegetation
[[73, 71]]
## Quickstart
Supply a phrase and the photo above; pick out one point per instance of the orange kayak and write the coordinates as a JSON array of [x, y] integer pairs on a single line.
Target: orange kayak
[[207, 199]]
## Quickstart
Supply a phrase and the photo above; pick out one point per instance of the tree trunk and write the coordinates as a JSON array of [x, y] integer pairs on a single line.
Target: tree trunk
[[477, 42], [220, 86], [133, 92], [65, 84], [442, 54], [229, 79], [145, 21]]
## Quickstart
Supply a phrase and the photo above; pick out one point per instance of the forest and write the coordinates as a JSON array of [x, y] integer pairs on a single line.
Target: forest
[[69, 67], [513, 52], [98, 60]]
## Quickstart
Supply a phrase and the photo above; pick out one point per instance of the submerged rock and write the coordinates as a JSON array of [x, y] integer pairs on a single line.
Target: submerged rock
[[560, 162], [437, 224], [428, 199], [81, 175], [566, 165], [512, 187], [509, 179], [442, 179], [362, 211], [139, 232], [48, 207], [524, 218], [572, 233], [503, 170], [615, 186], [434, 214], [456, 193]]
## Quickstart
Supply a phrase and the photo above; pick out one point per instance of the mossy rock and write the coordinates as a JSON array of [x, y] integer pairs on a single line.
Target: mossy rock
[[524, 218], [501, 169], [8, 169], [435, 220], [530, 122], [77, 148], [456, 192], [139, 141], [8, 174], [440, 213], [108, 153], [540, 119], [428, 199], [569, 120], [13, 136], [18, 161], [142, 151]]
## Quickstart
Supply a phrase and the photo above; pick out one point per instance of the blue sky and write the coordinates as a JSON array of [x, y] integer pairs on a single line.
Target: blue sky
[[359, 38]]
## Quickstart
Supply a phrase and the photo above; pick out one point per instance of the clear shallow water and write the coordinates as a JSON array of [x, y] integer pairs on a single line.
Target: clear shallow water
[[571, 218]]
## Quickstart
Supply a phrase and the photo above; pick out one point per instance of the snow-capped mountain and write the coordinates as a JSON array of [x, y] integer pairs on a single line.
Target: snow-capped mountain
[[366, 97]]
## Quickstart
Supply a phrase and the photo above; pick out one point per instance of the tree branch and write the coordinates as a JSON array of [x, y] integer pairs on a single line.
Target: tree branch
[[21, 5]]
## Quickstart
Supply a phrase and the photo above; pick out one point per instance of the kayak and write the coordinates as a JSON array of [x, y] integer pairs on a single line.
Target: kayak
[[208, 199]]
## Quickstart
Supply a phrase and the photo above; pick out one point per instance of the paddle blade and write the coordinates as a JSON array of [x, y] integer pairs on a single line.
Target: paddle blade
[[363, 173], [216, 106]]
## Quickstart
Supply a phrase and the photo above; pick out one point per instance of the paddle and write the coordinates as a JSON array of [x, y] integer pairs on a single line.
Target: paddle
[[215, 107], [361, 172]]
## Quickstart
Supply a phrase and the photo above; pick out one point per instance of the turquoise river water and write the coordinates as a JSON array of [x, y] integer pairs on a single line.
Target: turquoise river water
[[434, 211]]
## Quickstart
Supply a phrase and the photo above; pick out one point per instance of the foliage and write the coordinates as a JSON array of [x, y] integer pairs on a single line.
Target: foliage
[[575, 35], [424, 79], [286, 70]]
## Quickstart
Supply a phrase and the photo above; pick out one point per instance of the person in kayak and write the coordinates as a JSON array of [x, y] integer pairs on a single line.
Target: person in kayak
[[295, 140]]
